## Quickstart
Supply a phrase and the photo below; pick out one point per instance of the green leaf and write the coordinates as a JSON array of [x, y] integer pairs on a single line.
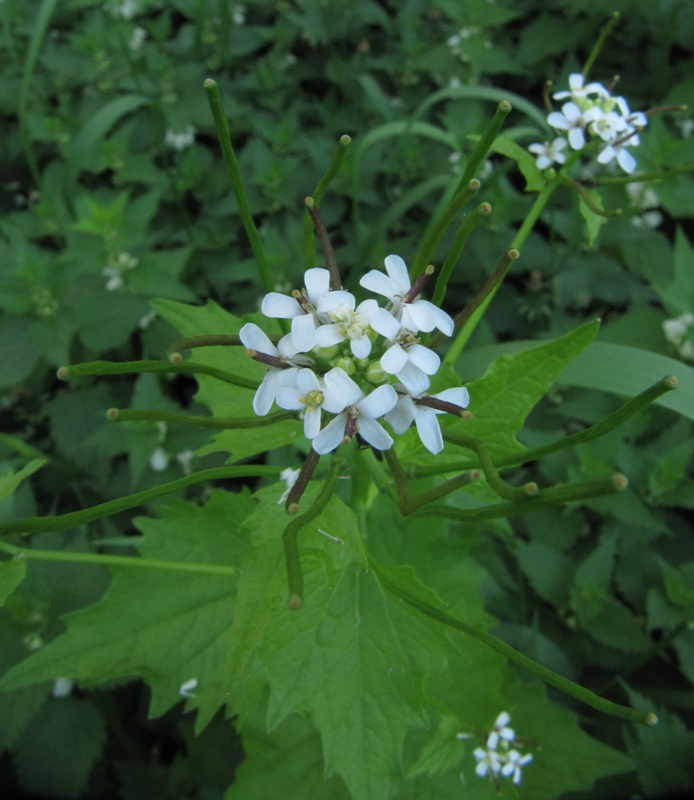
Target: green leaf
[[9, 483], [57, 750], [512, 385], [549, 571], [594, 222], [615, 368], [140, 625], [534, 180], [12, 573]]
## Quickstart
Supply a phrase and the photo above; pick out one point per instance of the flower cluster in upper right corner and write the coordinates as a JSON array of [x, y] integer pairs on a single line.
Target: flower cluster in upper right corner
[[591, 112]]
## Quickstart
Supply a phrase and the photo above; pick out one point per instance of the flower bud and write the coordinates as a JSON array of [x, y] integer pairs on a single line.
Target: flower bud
[[347, 364], [375, 373]]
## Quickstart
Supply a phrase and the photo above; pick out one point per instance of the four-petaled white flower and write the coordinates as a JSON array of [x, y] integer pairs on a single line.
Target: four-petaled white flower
[[407, 411], [309, 395], [515, 761], [362, 411], [577, 90], [413, 315], [549, 153], [500, 730], [346, 322], [498, 757], [302, 311]]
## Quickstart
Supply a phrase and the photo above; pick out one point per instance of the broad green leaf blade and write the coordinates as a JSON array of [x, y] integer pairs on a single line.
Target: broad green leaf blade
[[168, 627], [614, 368], [512, 385], [222, 399], [56, 752]]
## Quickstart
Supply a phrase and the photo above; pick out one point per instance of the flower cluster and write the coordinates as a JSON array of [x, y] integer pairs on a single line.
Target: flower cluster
[[355, 363], [590, 111], [677, 333], [499, 756]]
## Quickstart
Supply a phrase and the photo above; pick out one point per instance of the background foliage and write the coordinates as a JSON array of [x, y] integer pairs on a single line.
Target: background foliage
[[113, 193]]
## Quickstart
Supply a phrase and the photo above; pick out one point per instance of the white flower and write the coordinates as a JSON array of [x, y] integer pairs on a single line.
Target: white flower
[[62, 687], [255, 339], [360, 415], [573, 120], [182, 139], [578, 91], [415, 315], [137, 38], [500, 731], [309, 396], [487, 762], [515, 761], [302, 312], [407, 411], [411, 363], [289, 476], [618, 150], [347, 322], [549, 153], [159, 460], [187, 687]]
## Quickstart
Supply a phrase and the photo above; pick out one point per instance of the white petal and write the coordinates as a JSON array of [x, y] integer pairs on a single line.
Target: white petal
[[328, 335], [384, 322], [280, 306], [286, 346], [378, 403], [394, 359], [312, 423], [317, 283], [307, 381], [626, 161], [254, 338], [288, 398], [333, 301], [379, 283], [340, 391], [331, 436], [559, 121], [304, 333], [361, 347], [427, 360], [429, 430], [367, 308], [576, 138], [413, 379], [425, 316], [375, 434], [400, 418], [397, 270], [265, 396], [458, 395]]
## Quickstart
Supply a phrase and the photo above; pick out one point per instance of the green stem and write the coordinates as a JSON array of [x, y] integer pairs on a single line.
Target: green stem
[[588, 200], [90, 368], [214, 98], [644, 176], [295, 578], [558, 681], [612, 421], [216, 423], [326, 246], [554, 496], [467, 226], [597, 47], [485, 142], [64, 522], [105, 560], [437, 230]]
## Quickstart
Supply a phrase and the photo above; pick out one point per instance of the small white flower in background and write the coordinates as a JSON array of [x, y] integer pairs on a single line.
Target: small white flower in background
[[159, 460], [119, 264], [185, 459], [147, 319], [591, 111], [179, 140], [498, 758], [676, 332], [137, 38], [289, 476], [549, 153], [187, 688], [124, 9], [62, 687], [238, 14]]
